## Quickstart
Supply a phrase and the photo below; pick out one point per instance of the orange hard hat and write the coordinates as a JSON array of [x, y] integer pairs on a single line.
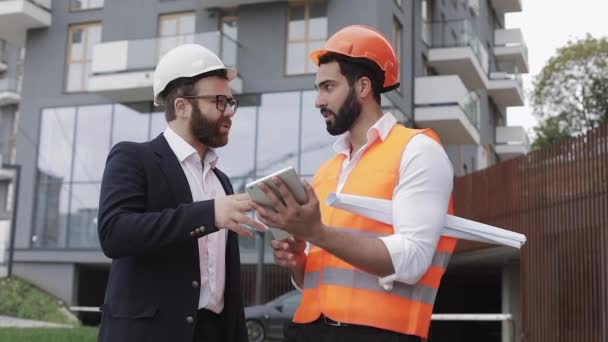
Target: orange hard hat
[[359, 41]]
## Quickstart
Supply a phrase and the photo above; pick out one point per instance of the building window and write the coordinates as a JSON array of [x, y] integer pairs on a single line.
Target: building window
[[174, 30], [399, 3], [83, 5], [81, 40], [73, 146], [306, 32]]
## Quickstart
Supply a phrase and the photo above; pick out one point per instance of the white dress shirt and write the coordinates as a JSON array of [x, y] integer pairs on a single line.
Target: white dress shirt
[[204, 185], [420, 199]]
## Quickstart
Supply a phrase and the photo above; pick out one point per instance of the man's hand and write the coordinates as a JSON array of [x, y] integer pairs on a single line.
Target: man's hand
[[303, 221], [289, 252], [230, 213]]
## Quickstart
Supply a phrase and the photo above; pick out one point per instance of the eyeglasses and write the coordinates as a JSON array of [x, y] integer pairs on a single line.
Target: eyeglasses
[[221, 101]]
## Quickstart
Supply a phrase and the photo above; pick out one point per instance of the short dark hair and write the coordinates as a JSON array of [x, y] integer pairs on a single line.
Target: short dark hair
[[184, 86], [355, 68]]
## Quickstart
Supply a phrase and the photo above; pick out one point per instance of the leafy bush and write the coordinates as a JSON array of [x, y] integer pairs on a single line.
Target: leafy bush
[[21, 299]]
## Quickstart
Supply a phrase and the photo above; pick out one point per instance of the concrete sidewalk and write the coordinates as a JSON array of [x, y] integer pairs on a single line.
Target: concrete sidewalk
[[13, 322]]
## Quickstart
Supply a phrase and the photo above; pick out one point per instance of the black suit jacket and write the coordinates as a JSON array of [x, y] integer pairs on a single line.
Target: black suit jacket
[[149, 226]]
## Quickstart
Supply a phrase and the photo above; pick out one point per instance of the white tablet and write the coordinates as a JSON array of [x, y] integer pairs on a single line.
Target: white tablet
[[292, 181]]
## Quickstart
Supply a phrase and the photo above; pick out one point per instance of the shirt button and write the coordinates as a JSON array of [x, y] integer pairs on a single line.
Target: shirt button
[[192, 233], [202, 228], [190, 319], [194, 283]]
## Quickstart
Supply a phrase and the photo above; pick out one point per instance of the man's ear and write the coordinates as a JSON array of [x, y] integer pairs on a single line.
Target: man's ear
[[363, 87], [181, 107]]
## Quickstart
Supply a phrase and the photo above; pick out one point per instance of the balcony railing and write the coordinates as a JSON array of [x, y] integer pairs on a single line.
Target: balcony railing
[[471, 108], [44, 4], [232, 3], [18, 16], [144, 54], [514, 135], [9, 91], [453, 92], [456, 33], [510, 37], [2, 50], [9, 85]]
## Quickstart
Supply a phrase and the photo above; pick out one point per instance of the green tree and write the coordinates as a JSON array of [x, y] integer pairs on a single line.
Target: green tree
[[570, 94]]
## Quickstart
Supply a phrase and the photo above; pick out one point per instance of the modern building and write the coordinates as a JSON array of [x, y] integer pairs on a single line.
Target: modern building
[[10, 78], [87, 85]]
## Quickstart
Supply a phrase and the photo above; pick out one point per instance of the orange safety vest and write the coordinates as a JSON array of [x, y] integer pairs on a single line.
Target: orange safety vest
[[346, 293]]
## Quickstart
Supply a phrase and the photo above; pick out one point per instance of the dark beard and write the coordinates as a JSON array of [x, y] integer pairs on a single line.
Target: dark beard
[[347, 114], [206, 131]]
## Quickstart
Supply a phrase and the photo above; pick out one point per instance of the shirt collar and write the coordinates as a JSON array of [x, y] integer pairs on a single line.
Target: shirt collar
[[380, 129], [183, 150]]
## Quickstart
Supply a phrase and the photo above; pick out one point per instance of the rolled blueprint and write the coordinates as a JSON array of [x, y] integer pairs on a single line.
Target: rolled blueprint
[[381, 210]]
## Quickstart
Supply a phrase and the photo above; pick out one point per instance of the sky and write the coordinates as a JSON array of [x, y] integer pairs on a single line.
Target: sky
[[547, 25]]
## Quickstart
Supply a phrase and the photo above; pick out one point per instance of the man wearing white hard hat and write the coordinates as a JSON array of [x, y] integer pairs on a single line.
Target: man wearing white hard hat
[[168, 217]]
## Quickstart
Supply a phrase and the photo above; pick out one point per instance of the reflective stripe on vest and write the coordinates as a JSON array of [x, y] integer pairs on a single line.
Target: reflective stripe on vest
[[347, 294], [362, 280]]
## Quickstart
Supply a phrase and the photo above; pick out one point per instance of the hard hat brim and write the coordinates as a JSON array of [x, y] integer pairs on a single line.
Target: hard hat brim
[[315, 55], [231, 74]]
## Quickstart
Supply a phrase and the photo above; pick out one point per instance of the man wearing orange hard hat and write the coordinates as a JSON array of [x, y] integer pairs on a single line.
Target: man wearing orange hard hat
[[361, 279]]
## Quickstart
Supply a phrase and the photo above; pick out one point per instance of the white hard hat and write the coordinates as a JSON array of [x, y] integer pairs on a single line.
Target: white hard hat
[[186, 60]]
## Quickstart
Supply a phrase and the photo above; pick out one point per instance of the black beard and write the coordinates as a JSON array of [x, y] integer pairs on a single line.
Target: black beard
[[206, 131], [347, 114]]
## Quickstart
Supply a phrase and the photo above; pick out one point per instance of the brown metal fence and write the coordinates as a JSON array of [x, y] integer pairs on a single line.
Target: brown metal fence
[[558, 198], [276, 282]]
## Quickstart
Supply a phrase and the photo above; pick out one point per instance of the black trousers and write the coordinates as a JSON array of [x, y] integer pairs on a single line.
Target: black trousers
[[208, 327], [319, 331]]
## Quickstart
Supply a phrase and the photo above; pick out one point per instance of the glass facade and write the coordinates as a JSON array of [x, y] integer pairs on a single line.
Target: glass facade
[[270, 132], [73, 145]]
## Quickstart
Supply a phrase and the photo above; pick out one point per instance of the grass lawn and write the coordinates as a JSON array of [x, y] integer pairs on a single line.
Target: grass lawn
[[80, 334]]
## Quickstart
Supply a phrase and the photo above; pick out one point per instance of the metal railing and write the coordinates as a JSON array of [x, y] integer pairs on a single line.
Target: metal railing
[[9, 85], [470, 107], [2, 50], [500, 317], [456, 33], [144, 54], [514, 73], [510, 41], [44, 4]]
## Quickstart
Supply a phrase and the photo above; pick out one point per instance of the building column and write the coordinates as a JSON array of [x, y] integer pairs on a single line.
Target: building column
[[511, 302]]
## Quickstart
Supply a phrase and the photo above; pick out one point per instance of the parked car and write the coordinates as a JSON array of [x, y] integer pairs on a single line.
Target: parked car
[[267, 321]]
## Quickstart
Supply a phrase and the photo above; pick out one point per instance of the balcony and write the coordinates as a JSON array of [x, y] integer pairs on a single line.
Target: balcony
[[506, 89], [123, 70], [511, 142], [511, 51], [455, 49], [232, 3], [18, 16], [9, 91], [444, 104], [506, 6]]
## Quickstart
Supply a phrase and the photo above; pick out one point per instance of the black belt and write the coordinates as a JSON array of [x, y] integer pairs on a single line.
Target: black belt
[[328, 321]]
